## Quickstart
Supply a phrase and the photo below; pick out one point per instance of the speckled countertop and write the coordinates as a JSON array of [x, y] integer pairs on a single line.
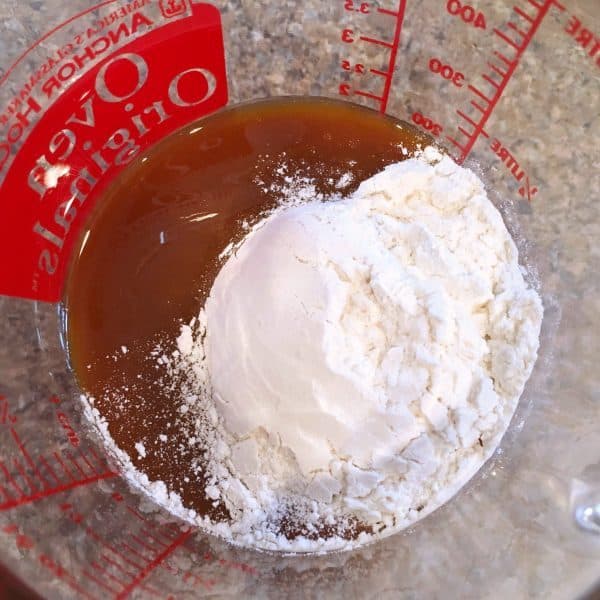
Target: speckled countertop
[[511, 533]]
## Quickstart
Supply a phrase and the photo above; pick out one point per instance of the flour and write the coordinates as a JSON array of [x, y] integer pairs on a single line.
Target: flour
[[141, 449], [357, 360]]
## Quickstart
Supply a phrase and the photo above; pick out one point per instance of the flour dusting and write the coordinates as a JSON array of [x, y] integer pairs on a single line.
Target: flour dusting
[[357, 361]]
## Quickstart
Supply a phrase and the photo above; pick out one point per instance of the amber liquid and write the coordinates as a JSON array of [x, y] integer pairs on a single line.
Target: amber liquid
[[151, 254]]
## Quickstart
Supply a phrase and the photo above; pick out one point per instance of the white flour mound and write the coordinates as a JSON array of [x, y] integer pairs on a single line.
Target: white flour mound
[[357, 361]]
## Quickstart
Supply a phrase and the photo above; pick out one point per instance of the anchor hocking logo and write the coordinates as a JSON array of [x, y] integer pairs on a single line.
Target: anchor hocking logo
[[172, 8]]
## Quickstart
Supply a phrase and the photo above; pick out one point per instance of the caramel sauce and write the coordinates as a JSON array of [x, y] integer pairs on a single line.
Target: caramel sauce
[[149, 252]]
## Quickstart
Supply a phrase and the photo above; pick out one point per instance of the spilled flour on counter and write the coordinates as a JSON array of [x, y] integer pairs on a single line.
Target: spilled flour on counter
[[356, 362]]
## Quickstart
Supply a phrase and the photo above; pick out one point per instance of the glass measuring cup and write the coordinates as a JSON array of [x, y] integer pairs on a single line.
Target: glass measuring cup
[[508, 90]]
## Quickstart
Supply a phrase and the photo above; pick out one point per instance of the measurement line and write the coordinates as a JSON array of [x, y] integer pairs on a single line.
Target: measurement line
[[497, 69], [116, 552], [106, 573], [64, 467], [136, 514], [382, 73], [11, 479], [132, 550], [26, 456], [87, 462], [50, 469], [375, 41], [515, 28], [466, 118], [386, 11], [150, 591], [143, 544], [100, 460], [503, 58], [168, 538], [175, 528], [99, 582], [77, 465], [527, 188], [368, 95], [512, 65], [159, 542], [152, 565], [476, 91], [4, 410], [24, 475], [491, 81], [507, 39], [92, 451], [26, 499], [477, 106], [393, 54], [523, 14], [5, 493], [115, 564], [74, 584]]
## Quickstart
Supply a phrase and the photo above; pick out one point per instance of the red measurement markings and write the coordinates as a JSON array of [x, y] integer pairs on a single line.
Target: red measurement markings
[[122, 584], [62, 573], [11, 480], [4, 416], [446, 71], [26, 543], [230, 564], [136, 513], [585, 38], [151, 554], [517, 39], [526, 190], [63, 419], [101, 584], [31, 479], [143, 573], [124, 563], [392, 45], [65, 423], [153, 538], [22, 541], [23, 497], [427, 123], [467, 13]]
